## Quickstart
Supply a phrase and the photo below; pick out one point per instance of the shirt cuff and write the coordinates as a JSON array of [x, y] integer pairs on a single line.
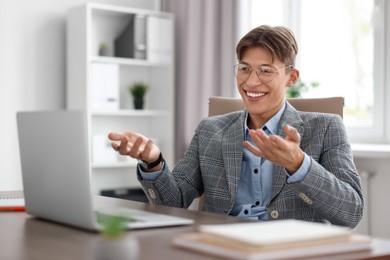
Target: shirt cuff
[[150, 176], [301, 173]]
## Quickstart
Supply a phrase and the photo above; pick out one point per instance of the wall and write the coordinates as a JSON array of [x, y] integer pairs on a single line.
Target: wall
[[377, 200], [32, 67]]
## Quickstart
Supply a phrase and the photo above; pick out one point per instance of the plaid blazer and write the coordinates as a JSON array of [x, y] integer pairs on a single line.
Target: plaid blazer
[[331, 192]]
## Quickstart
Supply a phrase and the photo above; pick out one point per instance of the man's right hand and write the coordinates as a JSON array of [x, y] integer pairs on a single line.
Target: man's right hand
[[134, 145]]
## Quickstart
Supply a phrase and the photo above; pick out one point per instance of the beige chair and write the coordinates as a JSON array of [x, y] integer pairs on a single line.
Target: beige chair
[[333, 105], [223, 105]]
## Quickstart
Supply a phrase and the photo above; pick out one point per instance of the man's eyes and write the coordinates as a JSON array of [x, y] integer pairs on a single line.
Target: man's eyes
[[245, 68], [261, 69], [266, 69]]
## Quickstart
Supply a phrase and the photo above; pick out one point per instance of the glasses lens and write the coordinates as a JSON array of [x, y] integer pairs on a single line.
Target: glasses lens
[[266, 73], [242, 71]]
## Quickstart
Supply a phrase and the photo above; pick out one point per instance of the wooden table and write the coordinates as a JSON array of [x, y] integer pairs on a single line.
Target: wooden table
[[25, 237]]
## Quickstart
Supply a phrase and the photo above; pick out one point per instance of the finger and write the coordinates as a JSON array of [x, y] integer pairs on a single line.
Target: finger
[[114, 136], [137, 148], [147, 150], [115, 146], [258, 137], [123, 148], [292, 134], [252, 149]]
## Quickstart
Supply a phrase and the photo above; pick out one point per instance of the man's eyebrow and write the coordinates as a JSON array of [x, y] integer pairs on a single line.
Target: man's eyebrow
[[265, 64]]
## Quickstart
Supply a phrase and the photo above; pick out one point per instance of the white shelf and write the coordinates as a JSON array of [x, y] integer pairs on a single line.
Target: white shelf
[[126, 61], [131, 112], [103, 9], [90, 25]]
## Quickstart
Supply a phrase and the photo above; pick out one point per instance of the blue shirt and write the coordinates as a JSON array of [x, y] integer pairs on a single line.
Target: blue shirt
[[256, 180]]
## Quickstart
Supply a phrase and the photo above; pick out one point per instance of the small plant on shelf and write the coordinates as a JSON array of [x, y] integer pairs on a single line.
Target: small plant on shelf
[[138, 91], [103, 49]]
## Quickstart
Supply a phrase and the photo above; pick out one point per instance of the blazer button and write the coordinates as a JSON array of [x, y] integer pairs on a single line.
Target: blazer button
[[305, 198], [152, 194], [302, 195], [274, 214]]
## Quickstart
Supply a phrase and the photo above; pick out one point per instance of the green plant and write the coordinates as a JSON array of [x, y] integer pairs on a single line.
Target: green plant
[[300, 87], [138, 90], [112, 226], [103, 45]]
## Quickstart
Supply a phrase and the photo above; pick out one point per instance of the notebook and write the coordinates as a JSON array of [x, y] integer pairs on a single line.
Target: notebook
[[282, 239], [54, 153], [11, 200]]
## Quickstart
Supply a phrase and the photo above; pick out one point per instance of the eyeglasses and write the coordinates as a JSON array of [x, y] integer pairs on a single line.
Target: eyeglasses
[[264, 73]]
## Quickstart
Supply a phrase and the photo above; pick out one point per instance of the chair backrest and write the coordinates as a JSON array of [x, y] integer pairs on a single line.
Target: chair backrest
[[332, 105]]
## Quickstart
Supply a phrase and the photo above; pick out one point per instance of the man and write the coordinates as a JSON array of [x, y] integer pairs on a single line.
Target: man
[[266, 162]]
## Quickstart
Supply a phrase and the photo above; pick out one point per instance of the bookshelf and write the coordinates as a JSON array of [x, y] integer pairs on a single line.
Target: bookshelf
[[99, 84]]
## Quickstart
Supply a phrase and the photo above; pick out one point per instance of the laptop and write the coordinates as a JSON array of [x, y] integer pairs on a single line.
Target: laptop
[[56, 173]]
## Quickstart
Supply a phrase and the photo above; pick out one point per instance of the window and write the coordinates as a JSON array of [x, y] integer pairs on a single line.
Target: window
[[341, 46]]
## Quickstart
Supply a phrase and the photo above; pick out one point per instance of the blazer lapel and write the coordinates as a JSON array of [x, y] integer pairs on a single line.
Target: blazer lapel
[[232, 150], [290, 116]]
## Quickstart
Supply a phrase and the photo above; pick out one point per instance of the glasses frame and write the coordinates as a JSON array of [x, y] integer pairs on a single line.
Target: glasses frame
[[258, 73]]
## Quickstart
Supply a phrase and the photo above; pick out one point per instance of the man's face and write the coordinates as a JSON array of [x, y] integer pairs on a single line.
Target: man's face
[[263, 91]]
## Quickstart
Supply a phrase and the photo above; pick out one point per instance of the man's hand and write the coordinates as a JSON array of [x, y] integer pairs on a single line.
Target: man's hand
[[134, 145], [284, 152]]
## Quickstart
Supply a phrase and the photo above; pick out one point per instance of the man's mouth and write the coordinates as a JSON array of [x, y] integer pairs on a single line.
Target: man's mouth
[[255, 94]]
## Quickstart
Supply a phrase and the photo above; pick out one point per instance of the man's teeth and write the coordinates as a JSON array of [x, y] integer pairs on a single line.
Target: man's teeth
[[255, 95]]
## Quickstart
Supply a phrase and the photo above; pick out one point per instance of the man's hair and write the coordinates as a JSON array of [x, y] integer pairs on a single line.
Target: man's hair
[[279, 41]]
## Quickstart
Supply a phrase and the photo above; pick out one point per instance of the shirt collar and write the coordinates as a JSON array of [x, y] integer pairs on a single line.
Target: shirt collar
[[272, 123]]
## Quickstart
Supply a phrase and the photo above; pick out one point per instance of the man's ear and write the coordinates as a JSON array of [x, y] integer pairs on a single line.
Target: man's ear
[[294, 75]]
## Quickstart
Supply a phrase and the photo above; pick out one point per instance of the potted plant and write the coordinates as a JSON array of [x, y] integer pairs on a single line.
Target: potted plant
[[138, 91], [300, 87], [114, 242], [103, 49]]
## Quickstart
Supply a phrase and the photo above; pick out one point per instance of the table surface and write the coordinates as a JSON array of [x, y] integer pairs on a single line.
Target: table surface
[[25, 237]]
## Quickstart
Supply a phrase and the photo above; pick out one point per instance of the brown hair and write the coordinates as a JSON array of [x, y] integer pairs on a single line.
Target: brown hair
[[279, 41]]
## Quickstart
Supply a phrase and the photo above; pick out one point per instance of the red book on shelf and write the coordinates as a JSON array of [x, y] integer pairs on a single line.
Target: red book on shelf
[[12, 200]]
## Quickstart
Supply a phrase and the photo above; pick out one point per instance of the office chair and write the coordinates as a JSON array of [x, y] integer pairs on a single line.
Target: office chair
[[223, 105]]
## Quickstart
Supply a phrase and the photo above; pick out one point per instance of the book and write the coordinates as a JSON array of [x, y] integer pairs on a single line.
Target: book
[[159, 39], [131, 43], [283, 239], [12, 201], [105, 87]]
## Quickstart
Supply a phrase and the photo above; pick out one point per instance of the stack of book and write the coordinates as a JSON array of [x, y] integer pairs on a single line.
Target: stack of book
[[283, 239]]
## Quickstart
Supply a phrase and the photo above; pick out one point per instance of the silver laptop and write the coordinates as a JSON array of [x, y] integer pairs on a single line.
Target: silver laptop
[[56, 172]]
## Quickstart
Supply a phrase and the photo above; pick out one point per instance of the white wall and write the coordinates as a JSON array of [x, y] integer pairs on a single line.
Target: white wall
[[377, 201], [32, 67]]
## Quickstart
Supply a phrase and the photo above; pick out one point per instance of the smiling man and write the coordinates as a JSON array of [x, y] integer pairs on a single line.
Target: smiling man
[[266, 162]]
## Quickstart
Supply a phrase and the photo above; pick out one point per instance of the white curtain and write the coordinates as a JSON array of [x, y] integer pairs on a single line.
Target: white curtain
[[206, 33]]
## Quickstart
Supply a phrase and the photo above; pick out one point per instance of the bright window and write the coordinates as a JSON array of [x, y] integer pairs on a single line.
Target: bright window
[[340, 47]]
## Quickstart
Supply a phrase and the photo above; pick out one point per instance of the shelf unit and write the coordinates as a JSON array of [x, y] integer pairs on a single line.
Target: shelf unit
[[90, 25]]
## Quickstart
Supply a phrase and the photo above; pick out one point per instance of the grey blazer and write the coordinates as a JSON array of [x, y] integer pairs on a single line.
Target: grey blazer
[[331, 192]]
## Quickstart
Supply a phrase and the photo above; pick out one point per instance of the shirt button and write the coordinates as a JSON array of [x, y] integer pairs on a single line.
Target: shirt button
[[152, 194], [256, 171], [246, 212], [274, 214], [257, 203]]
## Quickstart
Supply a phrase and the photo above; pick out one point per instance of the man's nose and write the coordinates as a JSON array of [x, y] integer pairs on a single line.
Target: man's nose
[[253, 79]]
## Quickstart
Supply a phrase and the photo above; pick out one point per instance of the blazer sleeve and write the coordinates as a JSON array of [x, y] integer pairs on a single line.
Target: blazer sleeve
[[177, 188], [332, 186]]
